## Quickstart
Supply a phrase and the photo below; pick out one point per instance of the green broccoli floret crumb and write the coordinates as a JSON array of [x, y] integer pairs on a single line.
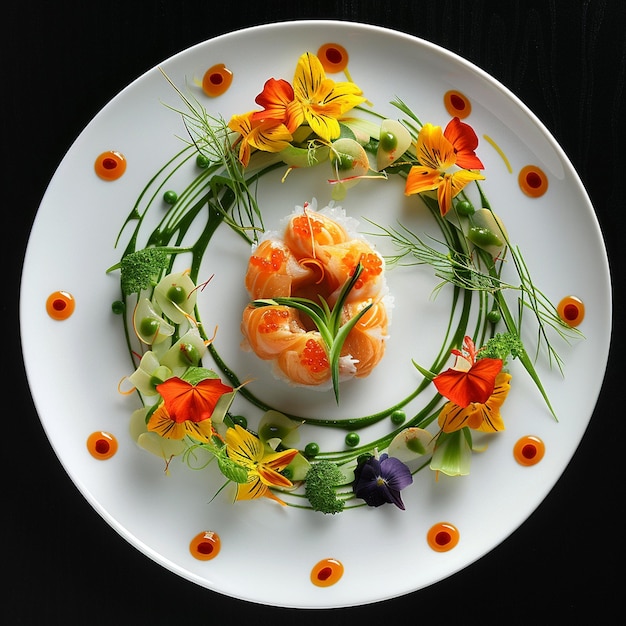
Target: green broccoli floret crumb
[[141, 269], [320, 487], [501, 345]]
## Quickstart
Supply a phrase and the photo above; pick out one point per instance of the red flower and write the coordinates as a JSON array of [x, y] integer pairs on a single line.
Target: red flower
[[469, 380], [187, 402], [464, 141]]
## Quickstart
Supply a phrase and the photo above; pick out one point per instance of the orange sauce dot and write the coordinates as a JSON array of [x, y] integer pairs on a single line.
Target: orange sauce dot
[[110, 165], [327, 572], [533, 181], [457, 105], [529, 450], [333, 57], [60, 305], [442, 537], [571, 310], [205, 545], [216, 80], [101, 445]]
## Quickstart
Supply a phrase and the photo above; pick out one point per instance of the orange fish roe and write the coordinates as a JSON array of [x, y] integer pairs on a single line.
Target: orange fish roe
[[303, 225], [372, 266], [273, 320], [315, 257], [314, 357], [273, 264]]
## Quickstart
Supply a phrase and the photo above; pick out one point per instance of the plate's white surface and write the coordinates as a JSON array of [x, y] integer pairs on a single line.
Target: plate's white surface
[[268, 551]]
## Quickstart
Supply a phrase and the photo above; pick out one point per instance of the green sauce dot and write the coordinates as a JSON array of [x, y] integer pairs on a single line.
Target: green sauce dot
[[271, 431], [398, 417], [176, 294], [170, 197], [118, 307], [352, 439], [202, 161], [388, 142], [311, 449], [344, 161], [240, 420]]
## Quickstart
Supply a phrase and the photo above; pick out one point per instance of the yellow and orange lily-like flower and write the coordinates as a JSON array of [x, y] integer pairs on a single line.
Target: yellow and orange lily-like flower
[[186, 409], [439, 153], [313, 99], [263, 466], [476, 389]]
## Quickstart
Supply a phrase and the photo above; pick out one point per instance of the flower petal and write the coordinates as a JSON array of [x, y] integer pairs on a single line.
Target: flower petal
[[464, 140], [475, 385], [243, 447], [433, 149], [421, 178], [161, 423], [185, 401]]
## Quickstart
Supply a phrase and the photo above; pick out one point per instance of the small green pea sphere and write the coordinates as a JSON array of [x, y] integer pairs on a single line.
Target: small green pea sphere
[[177, 294], [352, 439], [311, 449], [118, 307], [202, 161], [170, 197], [464, 208], [494, 316], [388, 141], [398, 417]]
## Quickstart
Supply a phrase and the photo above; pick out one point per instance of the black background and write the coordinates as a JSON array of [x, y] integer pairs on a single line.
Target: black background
[[61, 63]]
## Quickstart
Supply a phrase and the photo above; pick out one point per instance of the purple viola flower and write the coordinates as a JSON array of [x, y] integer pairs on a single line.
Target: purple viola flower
[[380, 480]]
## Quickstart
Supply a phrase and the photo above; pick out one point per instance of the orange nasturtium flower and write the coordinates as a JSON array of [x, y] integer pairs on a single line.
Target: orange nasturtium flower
[[476, 389], [440, 152], [186, 409], [263, 465], [266, 134], [279, 104]]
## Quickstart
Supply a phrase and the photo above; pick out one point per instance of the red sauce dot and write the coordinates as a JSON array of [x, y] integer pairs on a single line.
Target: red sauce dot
[[326, 573], [60, 305], [101, 445], [571, 310], [205, 545], [216, 80], [333, 57], [442, 537], [529, 450], [110, 165], [532, 181], [457, 105]]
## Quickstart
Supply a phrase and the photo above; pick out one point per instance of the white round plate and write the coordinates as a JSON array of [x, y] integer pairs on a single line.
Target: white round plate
[[268, 551]]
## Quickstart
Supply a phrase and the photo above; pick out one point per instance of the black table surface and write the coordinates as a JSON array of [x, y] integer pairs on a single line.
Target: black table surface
[[62, 62]]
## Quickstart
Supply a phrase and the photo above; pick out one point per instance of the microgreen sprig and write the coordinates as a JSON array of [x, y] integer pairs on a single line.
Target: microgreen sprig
[[327, 321]]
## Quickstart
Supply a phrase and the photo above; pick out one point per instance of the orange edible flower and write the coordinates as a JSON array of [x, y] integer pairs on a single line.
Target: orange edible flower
[[279, 104], [263, 466], [266, 134], [195, 403], [484, 417], [439, 152], [186, 409], [469, 380]]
